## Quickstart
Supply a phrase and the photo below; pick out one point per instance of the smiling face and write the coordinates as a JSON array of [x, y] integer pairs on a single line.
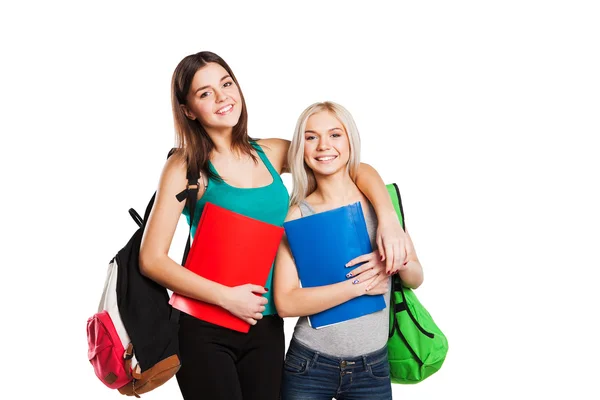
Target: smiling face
[[326, 145], [213, 99]]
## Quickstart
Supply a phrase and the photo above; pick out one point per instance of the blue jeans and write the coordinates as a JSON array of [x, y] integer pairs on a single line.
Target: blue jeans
[[310, 375]]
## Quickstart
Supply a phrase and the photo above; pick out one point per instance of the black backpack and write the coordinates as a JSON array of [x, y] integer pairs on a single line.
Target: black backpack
[[143, 307]]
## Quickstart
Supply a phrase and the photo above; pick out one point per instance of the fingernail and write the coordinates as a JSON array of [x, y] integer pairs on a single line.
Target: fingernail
[[267, 289], [347, 265], [355, 281], [349, 275]]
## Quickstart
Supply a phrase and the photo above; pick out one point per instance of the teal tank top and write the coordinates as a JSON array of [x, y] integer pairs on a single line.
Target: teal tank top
[[267, 203]]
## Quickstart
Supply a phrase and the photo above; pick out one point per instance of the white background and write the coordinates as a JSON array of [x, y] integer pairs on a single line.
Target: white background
[[484, 112]]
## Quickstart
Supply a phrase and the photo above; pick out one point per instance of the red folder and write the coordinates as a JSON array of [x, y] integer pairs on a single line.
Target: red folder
[[231, 249]]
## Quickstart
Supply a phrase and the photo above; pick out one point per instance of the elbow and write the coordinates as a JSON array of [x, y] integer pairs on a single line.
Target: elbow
[[416, 284], [283, 307], [285, 313], [282, 313], [412, 284], [146, 262], [413, 278]]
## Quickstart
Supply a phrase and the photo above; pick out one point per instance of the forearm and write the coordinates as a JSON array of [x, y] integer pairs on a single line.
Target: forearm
[[301, 302], [412, 276], [171, 275], [372, 186]]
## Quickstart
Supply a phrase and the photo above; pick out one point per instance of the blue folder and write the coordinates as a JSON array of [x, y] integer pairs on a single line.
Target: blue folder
[[321, 245]]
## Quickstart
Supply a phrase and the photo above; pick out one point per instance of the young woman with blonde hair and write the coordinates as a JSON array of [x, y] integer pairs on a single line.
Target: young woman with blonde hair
[[346, 360]]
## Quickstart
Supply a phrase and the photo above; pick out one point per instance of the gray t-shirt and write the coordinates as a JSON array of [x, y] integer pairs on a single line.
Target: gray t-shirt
[[354, 337]]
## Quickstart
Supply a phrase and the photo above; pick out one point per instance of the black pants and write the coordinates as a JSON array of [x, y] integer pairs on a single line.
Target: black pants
[[219, 363]]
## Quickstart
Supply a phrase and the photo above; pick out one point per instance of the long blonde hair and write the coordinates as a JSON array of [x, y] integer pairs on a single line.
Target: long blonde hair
[[303, 177]]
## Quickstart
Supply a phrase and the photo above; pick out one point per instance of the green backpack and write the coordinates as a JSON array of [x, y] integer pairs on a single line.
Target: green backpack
[[416, 346]]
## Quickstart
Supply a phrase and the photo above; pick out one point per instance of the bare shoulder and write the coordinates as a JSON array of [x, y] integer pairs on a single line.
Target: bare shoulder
[[293, 213], [274, 144], [276, 150], [174, 172], [365, 166]]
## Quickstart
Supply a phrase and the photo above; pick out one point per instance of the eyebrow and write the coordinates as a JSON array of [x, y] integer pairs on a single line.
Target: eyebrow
[[207, 86], [332, 129]]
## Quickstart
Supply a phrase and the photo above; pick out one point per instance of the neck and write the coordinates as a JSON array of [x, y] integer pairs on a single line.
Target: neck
[[221, 139], [337, 189]]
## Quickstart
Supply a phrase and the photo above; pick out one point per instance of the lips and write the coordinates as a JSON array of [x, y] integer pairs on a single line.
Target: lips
[[325, 158], [224, 110]]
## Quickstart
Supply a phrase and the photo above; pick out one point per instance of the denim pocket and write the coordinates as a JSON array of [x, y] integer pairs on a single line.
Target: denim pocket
[[294, 364], [380, 370]]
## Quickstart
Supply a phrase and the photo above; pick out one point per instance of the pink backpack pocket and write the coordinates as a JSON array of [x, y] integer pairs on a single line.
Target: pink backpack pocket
[[112, 364]]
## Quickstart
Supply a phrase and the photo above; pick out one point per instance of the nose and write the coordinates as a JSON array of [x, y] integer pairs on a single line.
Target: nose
[[323, 143], [220, 96]]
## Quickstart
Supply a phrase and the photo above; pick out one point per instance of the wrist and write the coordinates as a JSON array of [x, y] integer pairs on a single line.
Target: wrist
[[388, 217], [223, 296], [386, 214], [355, 288]]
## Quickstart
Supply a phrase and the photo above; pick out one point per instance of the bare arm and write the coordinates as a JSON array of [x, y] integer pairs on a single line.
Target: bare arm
[[156, 264], [276, 150], [391, 239], [292, 300], [411, 273]]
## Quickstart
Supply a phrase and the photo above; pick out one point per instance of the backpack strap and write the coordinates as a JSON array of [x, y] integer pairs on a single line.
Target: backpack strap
[[394, 193], [190, 194]]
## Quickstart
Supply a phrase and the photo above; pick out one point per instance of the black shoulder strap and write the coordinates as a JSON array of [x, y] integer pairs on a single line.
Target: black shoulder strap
[[400, 205], [191, 194], [396, 282]]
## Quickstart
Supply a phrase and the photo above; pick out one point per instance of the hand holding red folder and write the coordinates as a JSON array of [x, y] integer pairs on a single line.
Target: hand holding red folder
[[231, 249]]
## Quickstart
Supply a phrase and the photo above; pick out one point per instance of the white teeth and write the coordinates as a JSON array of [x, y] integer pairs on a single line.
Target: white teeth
[[325, 158], [224, 109]]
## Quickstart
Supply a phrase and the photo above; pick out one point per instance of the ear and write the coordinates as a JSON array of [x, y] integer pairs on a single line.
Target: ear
[[187, 112]]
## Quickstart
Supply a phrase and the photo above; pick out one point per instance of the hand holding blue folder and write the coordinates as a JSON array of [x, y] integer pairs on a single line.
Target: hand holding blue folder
[[321, 245]]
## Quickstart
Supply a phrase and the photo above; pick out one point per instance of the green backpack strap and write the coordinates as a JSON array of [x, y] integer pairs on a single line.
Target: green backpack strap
[[394, 193]]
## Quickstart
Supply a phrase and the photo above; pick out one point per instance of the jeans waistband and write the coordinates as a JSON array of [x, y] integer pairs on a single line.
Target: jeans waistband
[[341, 362]]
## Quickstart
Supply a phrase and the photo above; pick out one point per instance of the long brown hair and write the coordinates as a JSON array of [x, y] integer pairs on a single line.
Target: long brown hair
[[191, 136]]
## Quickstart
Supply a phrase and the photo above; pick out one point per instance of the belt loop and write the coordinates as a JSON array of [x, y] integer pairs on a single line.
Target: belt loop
[[314, 359], [365, 362]]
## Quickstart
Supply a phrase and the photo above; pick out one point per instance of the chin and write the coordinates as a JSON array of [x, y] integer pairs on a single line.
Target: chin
[[226, 123], [326, 171]]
